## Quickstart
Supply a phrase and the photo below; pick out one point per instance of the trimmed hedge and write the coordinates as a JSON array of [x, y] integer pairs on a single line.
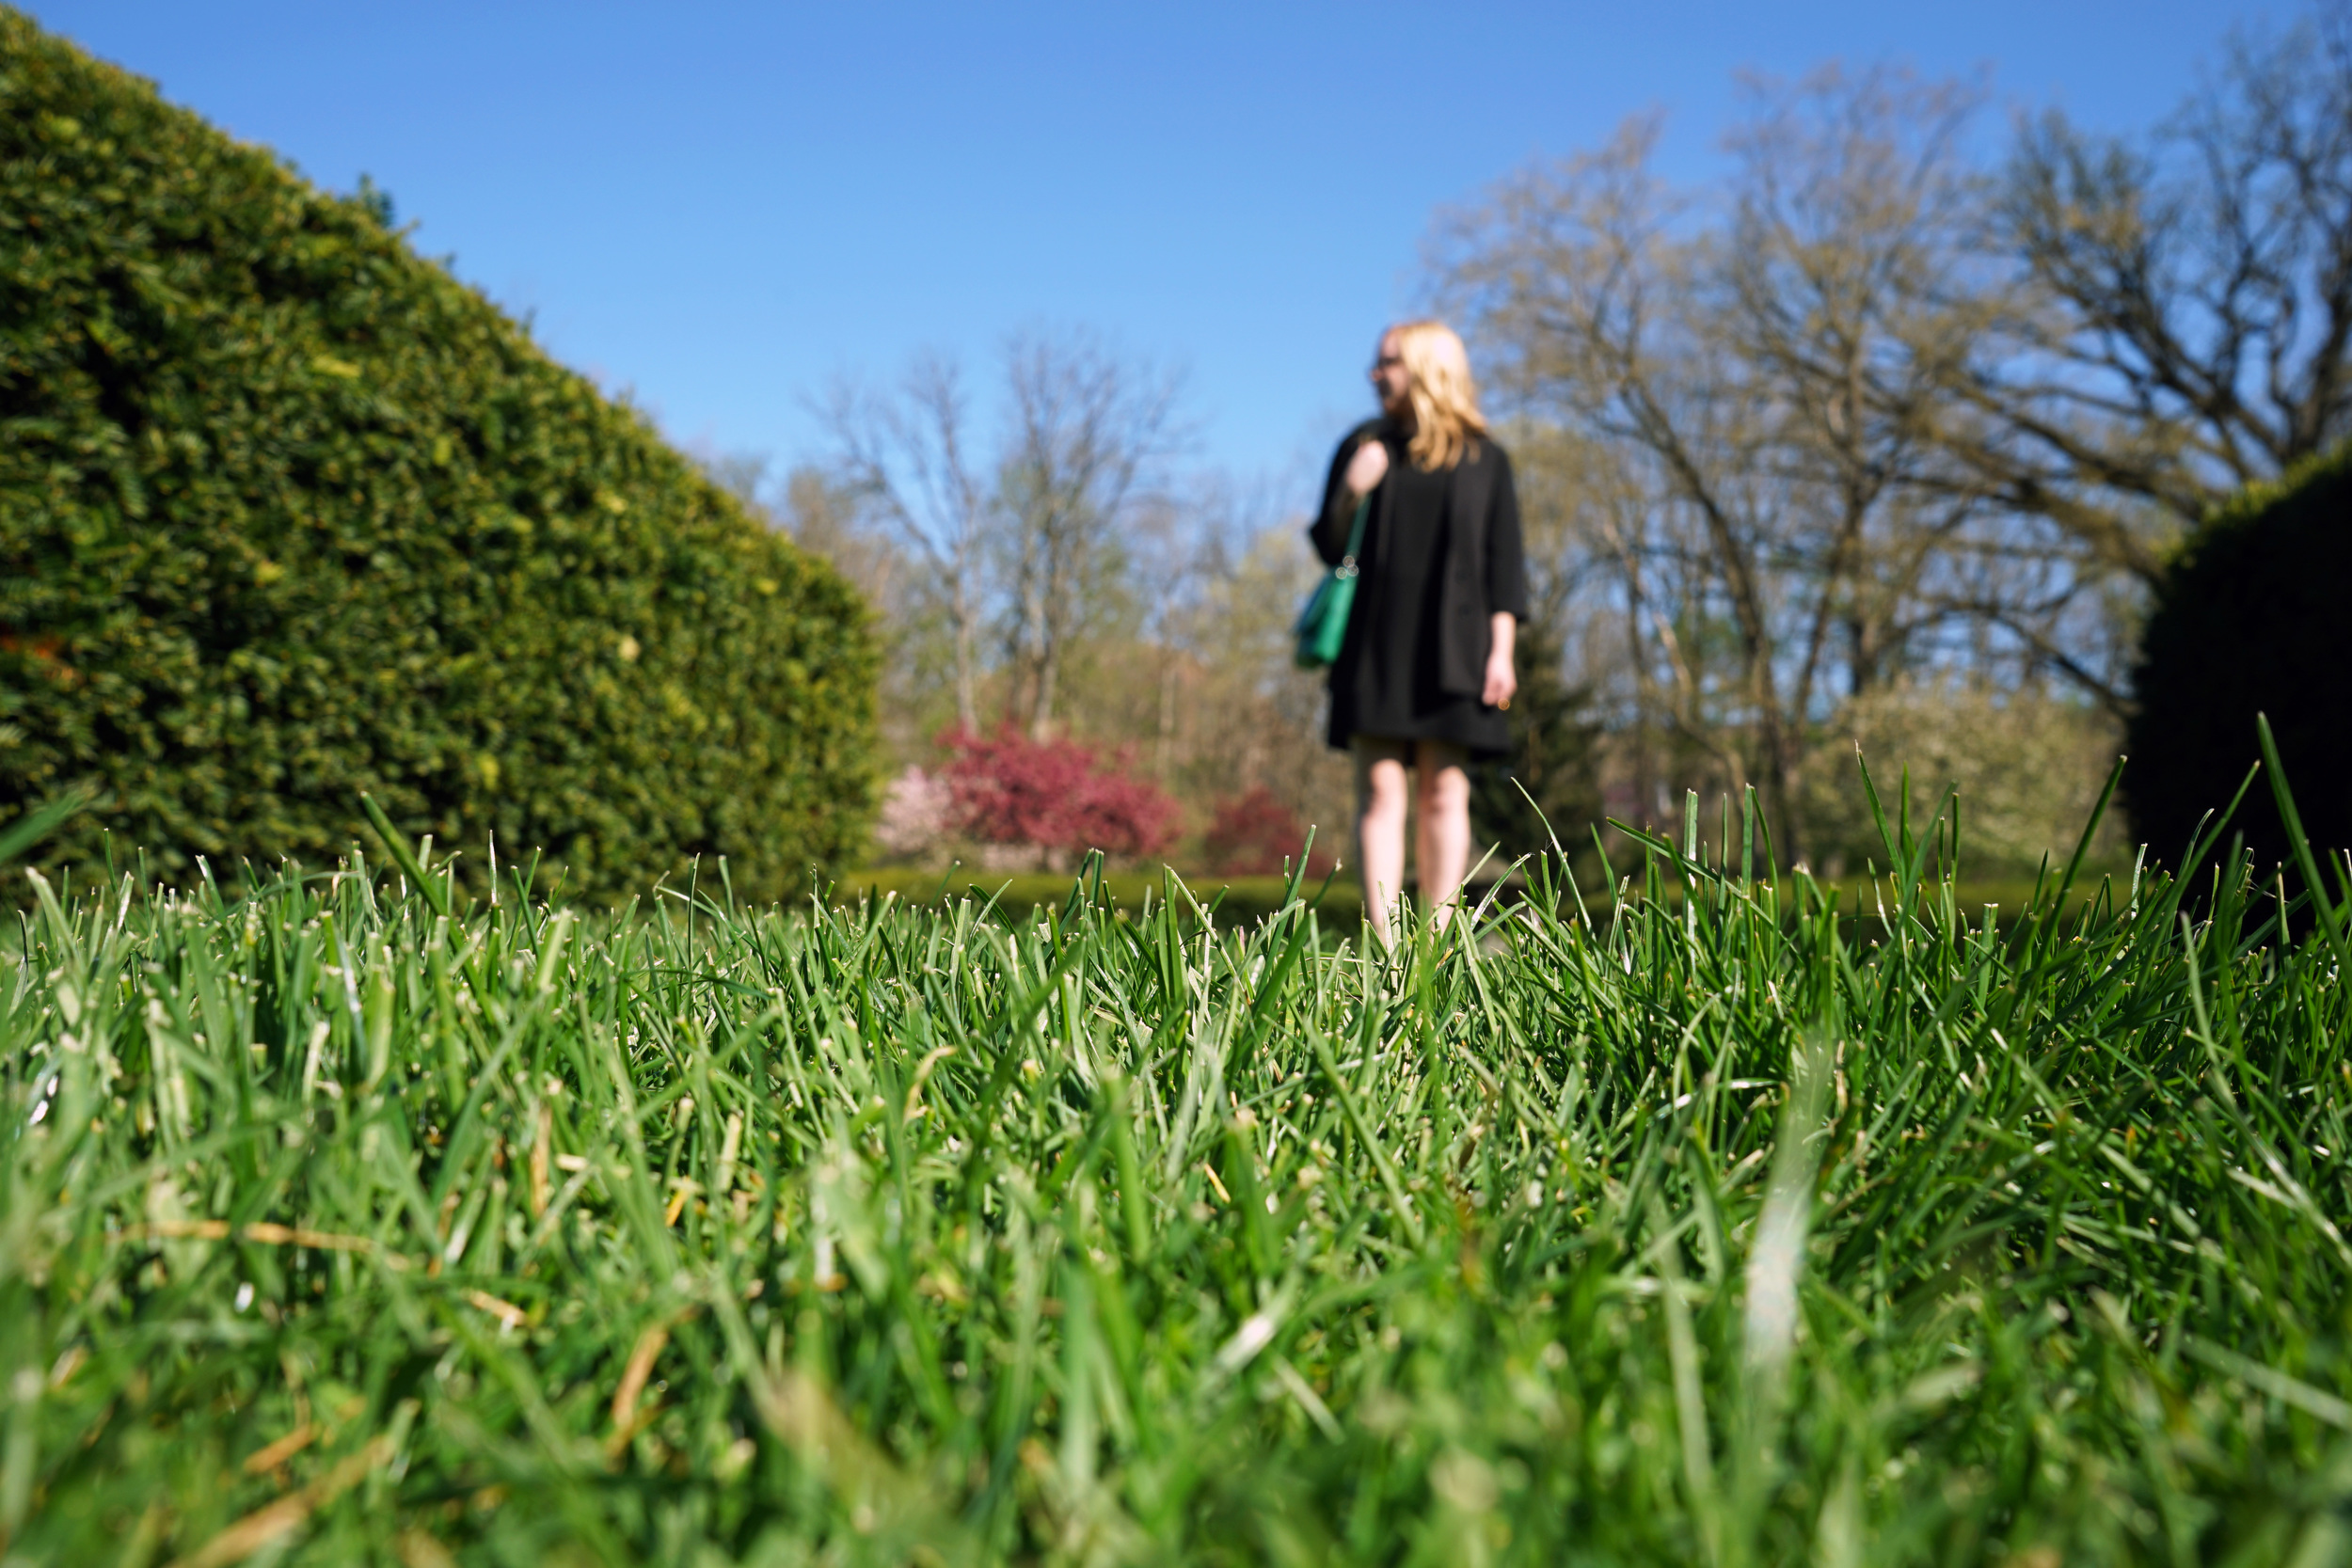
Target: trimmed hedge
[[2251, 619], [288, 513]]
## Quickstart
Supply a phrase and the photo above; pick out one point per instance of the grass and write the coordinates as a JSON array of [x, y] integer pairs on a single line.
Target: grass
[[1236, 899], [340, 1224], [1338, 904]]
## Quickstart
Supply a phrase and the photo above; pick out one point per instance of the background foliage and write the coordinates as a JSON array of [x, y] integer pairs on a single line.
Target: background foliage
[[1888, 429], [287, 512], [1054, 797], [1885, 431], [2020, 760]]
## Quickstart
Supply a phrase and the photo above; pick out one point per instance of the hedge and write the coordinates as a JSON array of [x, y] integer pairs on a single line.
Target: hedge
[[2250, 619], [288, 513]]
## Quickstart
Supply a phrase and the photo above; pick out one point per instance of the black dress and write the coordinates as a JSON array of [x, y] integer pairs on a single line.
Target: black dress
[[1387, 680]]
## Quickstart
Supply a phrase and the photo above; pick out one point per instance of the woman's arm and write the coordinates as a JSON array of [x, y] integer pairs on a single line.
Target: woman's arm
[[1502, 679], [1506, 586], [1357, 469]]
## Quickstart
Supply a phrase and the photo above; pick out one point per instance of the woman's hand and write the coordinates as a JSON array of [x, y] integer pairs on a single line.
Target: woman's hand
[[1367, 469], [1502, 681]]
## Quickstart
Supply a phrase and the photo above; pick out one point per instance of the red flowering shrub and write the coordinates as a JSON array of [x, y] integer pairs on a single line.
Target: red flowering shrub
[[1057, 795], [1252, 833]]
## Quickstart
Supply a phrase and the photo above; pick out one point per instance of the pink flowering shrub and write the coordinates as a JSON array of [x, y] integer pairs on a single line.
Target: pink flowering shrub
[[915, 817], [1252, 833], [1054, 795]]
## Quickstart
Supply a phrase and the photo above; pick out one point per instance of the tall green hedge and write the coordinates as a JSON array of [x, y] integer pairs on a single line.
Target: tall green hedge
[[288, 513], [2255, 616]]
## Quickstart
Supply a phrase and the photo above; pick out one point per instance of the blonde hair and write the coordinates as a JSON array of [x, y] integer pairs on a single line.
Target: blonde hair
[[1446, 420]]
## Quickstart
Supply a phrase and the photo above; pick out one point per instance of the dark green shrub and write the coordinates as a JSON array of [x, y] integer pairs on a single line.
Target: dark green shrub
[[287, 512], [2251, 619]]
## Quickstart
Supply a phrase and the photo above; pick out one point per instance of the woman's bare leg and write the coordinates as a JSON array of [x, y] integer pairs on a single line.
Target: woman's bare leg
[[1444, 837], [1380, 785]]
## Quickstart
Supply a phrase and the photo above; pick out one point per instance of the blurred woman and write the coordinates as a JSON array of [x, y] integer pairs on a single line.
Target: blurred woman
[[1424, 673]]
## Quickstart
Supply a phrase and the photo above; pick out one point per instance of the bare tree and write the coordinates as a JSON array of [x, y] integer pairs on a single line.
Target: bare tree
[[1573, 279], [1180, 547], [1718, 365], [1879, 409], [906, 453], [1087, 429], [1242, 713], [1771, 372], [2184, 305], [826, 519]]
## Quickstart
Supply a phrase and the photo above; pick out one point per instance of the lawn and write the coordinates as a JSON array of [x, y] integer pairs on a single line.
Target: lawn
[[348, 1223], [1339, 902]]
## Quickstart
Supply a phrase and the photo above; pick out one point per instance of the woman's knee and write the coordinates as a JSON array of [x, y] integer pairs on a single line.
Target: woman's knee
[[1444, 785], [1381, 791], [1382, 779]]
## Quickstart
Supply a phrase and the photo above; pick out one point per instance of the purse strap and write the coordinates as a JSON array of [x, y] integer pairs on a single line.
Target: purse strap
[[1346, 568]]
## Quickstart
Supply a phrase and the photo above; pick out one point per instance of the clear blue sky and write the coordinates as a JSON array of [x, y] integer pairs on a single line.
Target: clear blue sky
[[719, 207]]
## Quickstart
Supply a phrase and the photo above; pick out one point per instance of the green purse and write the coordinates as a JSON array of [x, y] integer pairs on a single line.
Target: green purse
[[1323, 624]]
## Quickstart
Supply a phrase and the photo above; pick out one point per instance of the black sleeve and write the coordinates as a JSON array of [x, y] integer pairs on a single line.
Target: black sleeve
[[1506, 553], [1334, 518]]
